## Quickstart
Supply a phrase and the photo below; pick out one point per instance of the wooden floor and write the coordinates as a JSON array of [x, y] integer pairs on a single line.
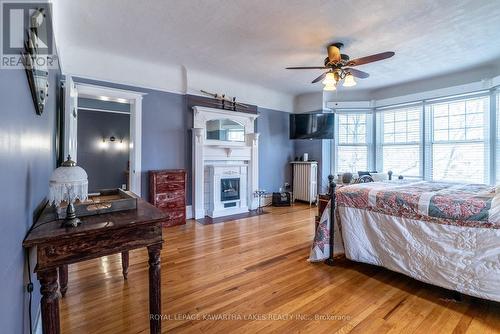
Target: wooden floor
[[252, 276]]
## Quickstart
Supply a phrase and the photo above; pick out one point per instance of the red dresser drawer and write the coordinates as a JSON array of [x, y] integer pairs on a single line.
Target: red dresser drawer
[[174, 204], [174, 217], [174, 177], [171, 197], [168, 187]]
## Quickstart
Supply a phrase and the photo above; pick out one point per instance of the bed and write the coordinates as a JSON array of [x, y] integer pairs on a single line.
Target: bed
[[445, 234]]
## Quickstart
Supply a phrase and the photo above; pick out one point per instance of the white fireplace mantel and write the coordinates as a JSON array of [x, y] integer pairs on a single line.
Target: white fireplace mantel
[[214, 152]]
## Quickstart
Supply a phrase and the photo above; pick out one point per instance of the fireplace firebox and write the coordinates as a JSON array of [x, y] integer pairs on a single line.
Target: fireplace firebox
[[229, 189]]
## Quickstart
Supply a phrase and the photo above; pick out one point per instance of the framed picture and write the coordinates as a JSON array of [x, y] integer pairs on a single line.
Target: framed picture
[[36, 70]]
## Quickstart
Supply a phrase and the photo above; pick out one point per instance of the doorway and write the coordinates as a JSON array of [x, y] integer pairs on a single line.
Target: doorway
[[96, 132]]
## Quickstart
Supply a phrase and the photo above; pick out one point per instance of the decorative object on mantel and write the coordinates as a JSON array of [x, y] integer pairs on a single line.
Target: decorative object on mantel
[[68, 183], [36, 71], [226, 102]]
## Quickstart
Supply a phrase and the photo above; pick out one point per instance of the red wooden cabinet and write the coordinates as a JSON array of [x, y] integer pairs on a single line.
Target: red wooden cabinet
[[167, 191]]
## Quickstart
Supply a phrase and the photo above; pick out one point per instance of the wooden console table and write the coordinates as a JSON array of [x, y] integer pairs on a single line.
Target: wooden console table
[[99, 235]]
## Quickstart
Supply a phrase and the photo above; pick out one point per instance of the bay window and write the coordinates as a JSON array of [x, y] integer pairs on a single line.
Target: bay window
[[353, 141], [399, 140], [458, 135], [498, 138], [455, 138]]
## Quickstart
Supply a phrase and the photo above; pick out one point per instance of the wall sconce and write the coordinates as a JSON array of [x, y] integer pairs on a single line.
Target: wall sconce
[[104, 144], [120, 145]]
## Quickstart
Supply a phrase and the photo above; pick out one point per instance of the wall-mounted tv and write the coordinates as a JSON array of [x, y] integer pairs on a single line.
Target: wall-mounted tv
[[312, 126]]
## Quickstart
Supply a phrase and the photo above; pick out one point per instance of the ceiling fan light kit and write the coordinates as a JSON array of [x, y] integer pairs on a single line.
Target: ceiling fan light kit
[[340, 65], [349, 80], [330, 87], [329, 79]]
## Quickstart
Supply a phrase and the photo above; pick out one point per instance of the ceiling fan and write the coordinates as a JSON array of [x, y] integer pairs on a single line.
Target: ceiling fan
[[339, 67]]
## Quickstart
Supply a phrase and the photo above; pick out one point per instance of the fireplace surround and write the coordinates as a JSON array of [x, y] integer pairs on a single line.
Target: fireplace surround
[[225, 189], [215, 160]]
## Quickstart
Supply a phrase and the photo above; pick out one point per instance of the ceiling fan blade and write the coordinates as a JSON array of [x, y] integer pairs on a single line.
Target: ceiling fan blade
[[357, 73], [370, 59], [319, 78], [333, 54], [307, 68]]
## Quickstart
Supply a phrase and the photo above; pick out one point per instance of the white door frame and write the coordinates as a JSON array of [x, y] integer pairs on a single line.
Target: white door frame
[[110, 94]]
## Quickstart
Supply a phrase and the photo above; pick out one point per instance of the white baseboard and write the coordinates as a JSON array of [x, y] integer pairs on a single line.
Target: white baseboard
[[189, 212]]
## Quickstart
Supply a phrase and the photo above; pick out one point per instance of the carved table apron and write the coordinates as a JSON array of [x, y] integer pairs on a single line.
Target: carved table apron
[[98, 235]]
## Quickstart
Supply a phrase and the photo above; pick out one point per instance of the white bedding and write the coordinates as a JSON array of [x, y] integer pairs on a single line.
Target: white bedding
[[465, 259]]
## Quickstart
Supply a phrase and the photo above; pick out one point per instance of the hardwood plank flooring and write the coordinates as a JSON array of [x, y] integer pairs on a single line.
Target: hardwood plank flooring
[[251, 275]]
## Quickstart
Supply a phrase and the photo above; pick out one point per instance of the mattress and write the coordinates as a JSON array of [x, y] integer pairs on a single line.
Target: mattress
[[439, 233]]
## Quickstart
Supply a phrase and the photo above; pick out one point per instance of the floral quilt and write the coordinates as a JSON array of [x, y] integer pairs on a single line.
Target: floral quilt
[[457, 204]]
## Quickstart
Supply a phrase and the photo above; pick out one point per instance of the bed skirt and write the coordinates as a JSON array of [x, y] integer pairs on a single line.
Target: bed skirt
[[464, 259]]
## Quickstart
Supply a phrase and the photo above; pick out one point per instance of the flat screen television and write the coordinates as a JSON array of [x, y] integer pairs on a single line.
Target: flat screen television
[[312, 126]]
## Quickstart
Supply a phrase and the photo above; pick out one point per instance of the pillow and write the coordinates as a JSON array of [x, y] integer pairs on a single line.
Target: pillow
[[377, 177]]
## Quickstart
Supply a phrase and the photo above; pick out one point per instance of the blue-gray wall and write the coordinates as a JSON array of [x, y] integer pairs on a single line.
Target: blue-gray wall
[[276, 150], [165, 134], [27, 159], [318, 150], [167, 120], [105, 166]]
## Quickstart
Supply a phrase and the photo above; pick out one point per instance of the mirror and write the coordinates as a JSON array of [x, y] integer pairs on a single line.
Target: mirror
[[225, 130]]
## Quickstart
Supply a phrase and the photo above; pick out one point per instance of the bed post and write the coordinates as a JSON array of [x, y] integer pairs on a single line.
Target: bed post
[[331, 192]]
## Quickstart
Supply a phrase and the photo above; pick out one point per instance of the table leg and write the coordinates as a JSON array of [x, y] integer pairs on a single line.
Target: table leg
[[125, 264], [63, 279], [154, 289], [50, 301]]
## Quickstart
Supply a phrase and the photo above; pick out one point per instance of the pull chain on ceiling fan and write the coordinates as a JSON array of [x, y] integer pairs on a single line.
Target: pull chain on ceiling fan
[[339, 67]]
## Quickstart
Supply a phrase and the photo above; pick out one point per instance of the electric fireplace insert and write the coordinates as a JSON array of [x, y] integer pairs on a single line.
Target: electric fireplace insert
[[229, 189]]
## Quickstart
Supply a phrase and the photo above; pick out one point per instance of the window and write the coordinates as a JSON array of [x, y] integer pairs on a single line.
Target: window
[[457, 134], [498, 140], [454, 138], [400, 138], [353, 142]]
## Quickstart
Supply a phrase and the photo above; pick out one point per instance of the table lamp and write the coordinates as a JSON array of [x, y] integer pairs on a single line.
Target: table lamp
[[68, 183]]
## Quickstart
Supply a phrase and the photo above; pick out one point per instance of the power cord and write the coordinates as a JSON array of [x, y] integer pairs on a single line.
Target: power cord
[[29, 288]]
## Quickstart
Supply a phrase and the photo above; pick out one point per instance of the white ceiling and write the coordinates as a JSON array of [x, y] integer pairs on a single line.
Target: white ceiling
[[253, 41]]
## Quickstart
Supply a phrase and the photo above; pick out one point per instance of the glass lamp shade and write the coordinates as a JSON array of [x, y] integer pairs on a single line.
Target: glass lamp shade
[[68, 183], [329, 79], [329, 87], [349, 81]]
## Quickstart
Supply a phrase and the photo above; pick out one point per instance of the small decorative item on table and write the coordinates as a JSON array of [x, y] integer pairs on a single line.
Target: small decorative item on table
[[67, 184], [105, 201]]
